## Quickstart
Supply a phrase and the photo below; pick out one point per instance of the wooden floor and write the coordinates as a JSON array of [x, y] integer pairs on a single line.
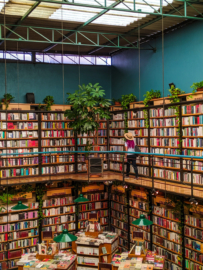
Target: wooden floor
[[178, 188]]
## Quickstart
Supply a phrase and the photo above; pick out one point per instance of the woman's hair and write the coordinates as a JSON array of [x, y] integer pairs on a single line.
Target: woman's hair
[[130, 144]]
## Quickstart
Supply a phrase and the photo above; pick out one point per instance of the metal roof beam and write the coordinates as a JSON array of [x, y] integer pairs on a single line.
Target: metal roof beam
[[136, 29], [83, 25], [33, 7]]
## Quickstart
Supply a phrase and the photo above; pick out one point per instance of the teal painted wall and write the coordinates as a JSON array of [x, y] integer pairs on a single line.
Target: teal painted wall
[[46, 79], [183, 58]]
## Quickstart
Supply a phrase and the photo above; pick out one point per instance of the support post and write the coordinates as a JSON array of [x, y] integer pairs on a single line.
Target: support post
[[128, 213], [40, 142], [151, 216], [76, 154], [109, 206]]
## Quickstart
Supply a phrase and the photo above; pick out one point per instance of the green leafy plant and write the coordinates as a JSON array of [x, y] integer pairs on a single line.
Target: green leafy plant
[[88, 147], [174, 98], [85, 108], [126, 100], [4, 200], [40, 192], [149, 96], [7, 98], [49, 101], [195, 86], [118, 101]]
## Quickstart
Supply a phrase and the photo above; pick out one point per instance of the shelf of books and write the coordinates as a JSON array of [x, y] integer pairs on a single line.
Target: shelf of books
[[98, 202], [192, 141], [164, 139], [98, 140], [139, 204], [167, 235], [18, 232], [56, 136], [19, 134], [136, 125], [193, 233], [119, 216]]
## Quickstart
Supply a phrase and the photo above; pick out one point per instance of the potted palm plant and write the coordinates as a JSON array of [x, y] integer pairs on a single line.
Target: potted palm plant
[[7, 98]]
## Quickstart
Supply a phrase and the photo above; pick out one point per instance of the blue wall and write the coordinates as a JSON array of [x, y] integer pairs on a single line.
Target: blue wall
[[46, 79], [183, 58]]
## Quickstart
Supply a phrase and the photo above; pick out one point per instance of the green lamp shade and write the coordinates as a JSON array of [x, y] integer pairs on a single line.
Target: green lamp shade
[[19, 206], [65, 237], [81, 199], [142, 221]]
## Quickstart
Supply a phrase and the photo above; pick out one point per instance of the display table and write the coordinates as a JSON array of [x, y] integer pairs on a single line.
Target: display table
[[92, 248], [62, 260]]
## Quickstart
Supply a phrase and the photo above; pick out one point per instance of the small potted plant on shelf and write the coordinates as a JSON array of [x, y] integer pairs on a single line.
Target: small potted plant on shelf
[[175, 92], [150, 95], [49, 101], [126, 100], [7, 98], [116, 102], [197, 87]]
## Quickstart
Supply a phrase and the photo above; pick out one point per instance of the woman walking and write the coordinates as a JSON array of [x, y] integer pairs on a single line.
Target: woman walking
[[131, 158]]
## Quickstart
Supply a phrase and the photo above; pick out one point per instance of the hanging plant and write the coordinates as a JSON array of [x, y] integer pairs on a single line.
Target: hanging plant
[[174, 98], [152, 94], [7, 98], [40, 192], [49, 101]]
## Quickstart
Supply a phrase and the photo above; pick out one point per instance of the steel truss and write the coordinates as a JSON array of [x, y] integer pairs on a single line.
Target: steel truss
[[134, 10], [94, 39]]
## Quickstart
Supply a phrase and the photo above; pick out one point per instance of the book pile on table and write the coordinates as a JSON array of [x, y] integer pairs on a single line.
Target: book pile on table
[[105, 237], [62, 260]]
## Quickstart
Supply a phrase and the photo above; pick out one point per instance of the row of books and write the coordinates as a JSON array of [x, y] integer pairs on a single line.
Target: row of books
[[197, 178], [18, 235], [58, 201], [116, 132], [163, 132], [97, 196], [120, 224], [96, 148], [19, 172], [92, 206], [192, 142], [118, 207], [169, 151], [102, 132], [172, 142], [19, 116], [194, 244], [58, 158], [167, 174], [6, 162], [54, 116], [166, 122], [168, 224], [167, 162], [196, 256], [192, 131], [141, 170], [102, 125], [168, 255], [18, 134], [82, 167], [9, 264], [192, 109], [55, 125], [88, 260], [141, 141], [119, 198], [118, 116], [60, 228], [19, 151], [193, 232], [20, 243], [83, 224], [189, 152], [19, 216], [167, 244], [58, 210], [193, 221], [57, 133], [192, 120], [120, 232], [87, 250], [58, 142], [123, 243], [58, 220], [117, 141], [139, 204], [162, 112], [171, 236], [192, 265], [18, 143], [18, 226], [116, 148], [115, 124], [168, 213], [58, 169], [101, 213], [18, 253], [19, 125], [134, 229], [136, 123], [104, 220], [136, 213], [85, 140], [138, 114], [31, 205]]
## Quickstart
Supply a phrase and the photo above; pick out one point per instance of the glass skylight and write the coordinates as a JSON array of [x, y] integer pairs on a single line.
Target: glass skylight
[[2, 4]]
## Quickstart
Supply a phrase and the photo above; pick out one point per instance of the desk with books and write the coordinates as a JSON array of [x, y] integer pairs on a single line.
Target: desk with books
[[91, 249]]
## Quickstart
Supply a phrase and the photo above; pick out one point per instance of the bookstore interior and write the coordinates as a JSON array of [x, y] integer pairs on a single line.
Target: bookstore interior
[[97, 169]]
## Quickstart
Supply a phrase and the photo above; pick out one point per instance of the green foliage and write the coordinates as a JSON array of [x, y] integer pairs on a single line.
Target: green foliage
[[174, 98], [195, 86], [7, 98], [49, 101], [116, 100], [40, 192], [126, 100], [150, 95], [88, 147], [5, 199], [85, 110]]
